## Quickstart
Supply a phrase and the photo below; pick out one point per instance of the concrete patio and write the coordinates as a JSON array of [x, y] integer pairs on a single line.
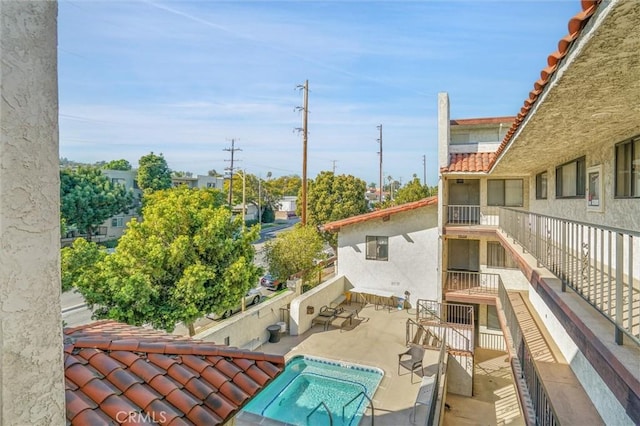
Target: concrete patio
[[376, 339]]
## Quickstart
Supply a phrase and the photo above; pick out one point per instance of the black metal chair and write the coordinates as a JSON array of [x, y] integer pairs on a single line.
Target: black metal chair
[[415, 355]]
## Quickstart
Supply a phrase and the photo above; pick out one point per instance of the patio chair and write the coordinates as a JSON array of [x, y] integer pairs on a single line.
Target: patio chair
[[415, 355]]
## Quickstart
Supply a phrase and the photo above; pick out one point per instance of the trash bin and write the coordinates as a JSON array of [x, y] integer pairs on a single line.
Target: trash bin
[[274, 333], [283, 326]]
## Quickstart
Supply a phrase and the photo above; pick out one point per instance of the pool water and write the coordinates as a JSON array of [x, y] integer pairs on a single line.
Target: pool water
[[308, 381]]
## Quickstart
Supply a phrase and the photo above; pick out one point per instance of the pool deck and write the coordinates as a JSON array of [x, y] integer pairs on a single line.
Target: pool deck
[[376, 340]]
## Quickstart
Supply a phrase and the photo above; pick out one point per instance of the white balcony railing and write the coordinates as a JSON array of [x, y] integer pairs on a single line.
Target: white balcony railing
[[601, 264]]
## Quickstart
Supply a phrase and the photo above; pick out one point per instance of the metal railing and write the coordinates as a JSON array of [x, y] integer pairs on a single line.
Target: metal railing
[[463, 215], [363, 393], [472, 282], [445, 321], [322, 404], [533, 393], [471, 215], [544, 412], [599, 263]]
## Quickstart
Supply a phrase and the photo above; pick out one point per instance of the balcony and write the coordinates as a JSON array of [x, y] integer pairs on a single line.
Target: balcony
[[471, 215], [598, 263]]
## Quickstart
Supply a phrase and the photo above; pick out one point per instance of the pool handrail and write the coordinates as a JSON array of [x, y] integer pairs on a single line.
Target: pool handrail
[[326, 408], [353, 399]]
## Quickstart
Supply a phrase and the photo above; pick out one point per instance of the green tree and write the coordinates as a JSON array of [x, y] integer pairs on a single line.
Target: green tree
[[294, 252], [153, 173], [331, 197], [412, 191], [88, 198], [117, 165], [189, 257], [79, 263]]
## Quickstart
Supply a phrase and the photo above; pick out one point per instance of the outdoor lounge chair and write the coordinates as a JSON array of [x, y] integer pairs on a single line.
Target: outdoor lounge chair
[[415, 355], [326, 316]]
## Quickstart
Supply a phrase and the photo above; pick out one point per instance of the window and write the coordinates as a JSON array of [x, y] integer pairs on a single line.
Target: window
[[119, 181], [628, 168], [541, 186], [377, 248], [117, 222], [570, 179], [504, 192], [497, 256]]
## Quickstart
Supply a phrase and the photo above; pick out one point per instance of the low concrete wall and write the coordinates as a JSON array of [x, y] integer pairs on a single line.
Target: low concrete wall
[[460, 375], [248, 329], [320, 296]]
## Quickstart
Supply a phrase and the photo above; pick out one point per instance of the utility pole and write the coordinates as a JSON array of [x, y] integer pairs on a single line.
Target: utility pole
[[259, 196], [380, 140], [305, 112], [233, 149], [244, 197], [424, 169], [333, 168]]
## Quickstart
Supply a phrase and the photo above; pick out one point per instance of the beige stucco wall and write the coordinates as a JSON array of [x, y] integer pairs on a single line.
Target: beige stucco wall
[[320, 296], [619, 213], [31, 366], [249, 329], [413, 254]]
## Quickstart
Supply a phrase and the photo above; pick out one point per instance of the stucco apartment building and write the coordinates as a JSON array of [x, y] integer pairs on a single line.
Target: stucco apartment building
[[539, 223]]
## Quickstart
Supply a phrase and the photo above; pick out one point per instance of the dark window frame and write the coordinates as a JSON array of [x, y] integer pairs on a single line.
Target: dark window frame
[[504, 193], [581, 179], [539, 190], [631, 143], [380, 250]]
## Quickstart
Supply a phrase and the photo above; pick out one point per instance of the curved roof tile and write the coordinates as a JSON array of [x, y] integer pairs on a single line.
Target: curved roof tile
[[575, 26], [113, 368]]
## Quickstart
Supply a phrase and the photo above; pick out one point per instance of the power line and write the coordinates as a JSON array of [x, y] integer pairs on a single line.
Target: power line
[[233, 149]]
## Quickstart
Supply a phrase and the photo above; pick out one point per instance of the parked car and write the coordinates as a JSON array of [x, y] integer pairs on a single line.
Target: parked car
[[252, 297], [271, 283]]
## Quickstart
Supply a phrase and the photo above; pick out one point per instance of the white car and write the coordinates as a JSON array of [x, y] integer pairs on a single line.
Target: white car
[[253, 297]]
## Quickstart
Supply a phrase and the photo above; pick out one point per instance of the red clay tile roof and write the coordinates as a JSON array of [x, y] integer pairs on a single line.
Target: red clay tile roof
[[576, 24], [469, 162], [335, 226], [117, 373], [477, 121]]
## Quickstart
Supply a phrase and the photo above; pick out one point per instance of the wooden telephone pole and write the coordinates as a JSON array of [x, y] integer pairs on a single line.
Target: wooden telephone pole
[[381, 182], [305, 112]]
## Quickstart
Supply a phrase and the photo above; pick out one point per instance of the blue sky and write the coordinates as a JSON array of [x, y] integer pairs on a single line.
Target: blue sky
[[183, 78]]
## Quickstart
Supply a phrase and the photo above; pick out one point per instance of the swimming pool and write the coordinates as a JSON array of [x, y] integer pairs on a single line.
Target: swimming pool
[[307, 382]]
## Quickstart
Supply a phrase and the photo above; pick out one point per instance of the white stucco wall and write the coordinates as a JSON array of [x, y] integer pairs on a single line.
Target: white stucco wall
[[612, 412], [413, 254], [31, 361]]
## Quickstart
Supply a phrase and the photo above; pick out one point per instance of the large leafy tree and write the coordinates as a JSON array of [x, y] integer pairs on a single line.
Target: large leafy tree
[[79, 263], [331, 197], [88, 198], [121, 164], [293, 252], [153, 173], [189, 257]]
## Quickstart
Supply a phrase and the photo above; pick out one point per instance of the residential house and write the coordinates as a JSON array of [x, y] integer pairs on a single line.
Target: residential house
[[114, 227], [286, 207], [540, 233], [392, 251], [199, 181]]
